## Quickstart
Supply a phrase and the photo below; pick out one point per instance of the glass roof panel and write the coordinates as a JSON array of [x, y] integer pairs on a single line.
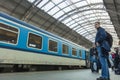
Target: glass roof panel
[[48, 6], [81, 4], [81, 30], [74, 25], [75, 16], [53, 11], [77, 0], [43, 3], [67, 20], [67, 9], [58, 14], [94, 1], [62, 5], [70, 23], [57, 1]]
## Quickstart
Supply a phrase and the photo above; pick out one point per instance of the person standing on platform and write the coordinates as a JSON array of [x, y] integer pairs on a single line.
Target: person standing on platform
[[116, 58], [103, 49], [94, 59], [93, 51]]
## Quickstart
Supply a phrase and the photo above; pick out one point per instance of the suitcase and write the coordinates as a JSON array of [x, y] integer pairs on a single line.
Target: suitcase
[[94, 67]]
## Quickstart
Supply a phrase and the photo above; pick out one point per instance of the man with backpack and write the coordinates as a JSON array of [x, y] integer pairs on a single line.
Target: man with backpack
[[103, 48]]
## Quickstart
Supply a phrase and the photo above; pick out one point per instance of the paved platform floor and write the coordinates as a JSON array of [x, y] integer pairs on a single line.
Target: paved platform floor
[[84, 74]]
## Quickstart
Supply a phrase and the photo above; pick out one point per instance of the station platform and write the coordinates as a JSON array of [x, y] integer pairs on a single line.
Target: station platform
[[84, 74]]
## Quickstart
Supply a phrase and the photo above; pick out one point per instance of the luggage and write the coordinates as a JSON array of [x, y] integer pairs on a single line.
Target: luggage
[[94, 66]]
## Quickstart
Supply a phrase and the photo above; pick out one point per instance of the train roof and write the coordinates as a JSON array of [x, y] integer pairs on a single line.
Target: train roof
[[34, 27]]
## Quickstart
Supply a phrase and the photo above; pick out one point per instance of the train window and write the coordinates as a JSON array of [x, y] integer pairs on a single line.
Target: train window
[[8, 34], [80, 53], [65, 49], [35, 41], [53, 46], [74, 51]]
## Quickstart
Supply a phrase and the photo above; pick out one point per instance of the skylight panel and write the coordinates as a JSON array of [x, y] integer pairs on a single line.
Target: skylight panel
[[67, 20], [77, 0], [80, 4], [94, 1], [48, 6], [62, 5], [81, 29], [57, 1], [43, 2], [53, 11], [73, 25], [58, 14], [75, 16], [71, 22], [67, 9]]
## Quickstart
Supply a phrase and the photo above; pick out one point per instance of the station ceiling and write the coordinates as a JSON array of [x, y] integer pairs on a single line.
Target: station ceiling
[[71, 19], [79, 15]]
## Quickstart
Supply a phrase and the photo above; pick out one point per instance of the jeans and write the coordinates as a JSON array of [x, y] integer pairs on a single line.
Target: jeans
[[93, 58], [104, 63]]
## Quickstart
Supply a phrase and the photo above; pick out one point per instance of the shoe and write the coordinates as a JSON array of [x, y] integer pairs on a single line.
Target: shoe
[[101, 78]]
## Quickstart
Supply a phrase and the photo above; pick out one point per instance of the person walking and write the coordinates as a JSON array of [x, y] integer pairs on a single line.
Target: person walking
[[103, 49]]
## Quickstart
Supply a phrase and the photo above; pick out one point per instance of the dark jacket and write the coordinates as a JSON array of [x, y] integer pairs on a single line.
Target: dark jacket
[[93, 51], [101, 39]]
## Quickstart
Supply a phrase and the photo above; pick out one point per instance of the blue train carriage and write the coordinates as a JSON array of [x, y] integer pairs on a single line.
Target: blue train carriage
[[24, 46]]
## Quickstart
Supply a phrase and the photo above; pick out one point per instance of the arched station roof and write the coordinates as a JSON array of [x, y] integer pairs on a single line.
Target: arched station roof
[[79, 15]]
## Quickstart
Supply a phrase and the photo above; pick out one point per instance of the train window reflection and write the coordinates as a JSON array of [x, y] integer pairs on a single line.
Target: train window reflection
[[35, 41], [53, 46], [74, 51], [65, 49], [8, 34], [80, 53]]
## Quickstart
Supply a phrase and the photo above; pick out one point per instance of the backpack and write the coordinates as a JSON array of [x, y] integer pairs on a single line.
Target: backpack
[[109, 39]]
